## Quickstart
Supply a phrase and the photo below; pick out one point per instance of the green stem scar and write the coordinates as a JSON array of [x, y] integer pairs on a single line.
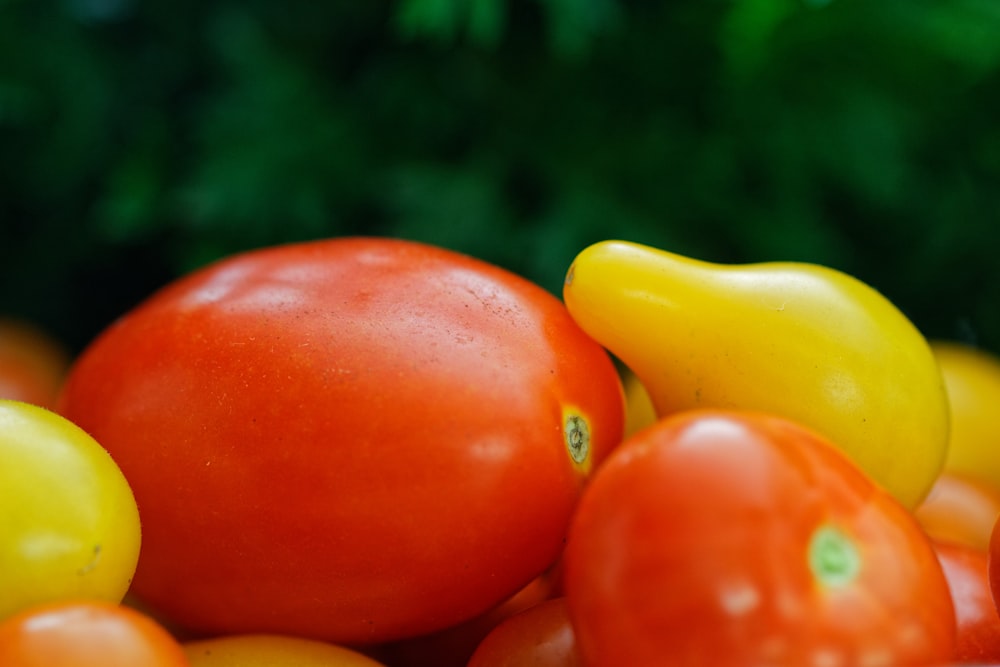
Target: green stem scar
[[576, 433], [833, 557]]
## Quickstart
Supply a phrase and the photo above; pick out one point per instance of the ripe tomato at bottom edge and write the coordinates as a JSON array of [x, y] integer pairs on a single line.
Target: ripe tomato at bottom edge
[[743, 539]]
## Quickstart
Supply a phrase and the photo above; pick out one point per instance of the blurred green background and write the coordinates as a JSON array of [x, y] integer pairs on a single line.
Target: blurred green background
[[139, 140]]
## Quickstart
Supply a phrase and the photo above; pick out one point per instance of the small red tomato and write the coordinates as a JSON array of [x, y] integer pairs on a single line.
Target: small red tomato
[[978, 636], [743, 539], [540, 636], [356, 439], [86, 634]]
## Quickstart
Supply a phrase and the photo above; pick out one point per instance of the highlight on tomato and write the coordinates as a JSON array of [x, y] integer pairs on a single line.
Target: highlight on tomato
[[735, 538], [358, 440], [86, 633]]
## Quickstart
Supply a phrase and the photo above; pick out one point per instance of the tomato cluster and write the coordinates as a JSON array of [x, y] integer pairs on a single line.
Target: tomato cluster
[[371, 451]]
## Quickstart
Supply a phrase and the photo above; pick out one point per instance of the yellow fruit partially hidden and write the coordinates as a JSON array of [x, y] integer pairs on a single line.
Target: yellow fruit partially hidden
[[639, 410], [798, 340], [972, 379]]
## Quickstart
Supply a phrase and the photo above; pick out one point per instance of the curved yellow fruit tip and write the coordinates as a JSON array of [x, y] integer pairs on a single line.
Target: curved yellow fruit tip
[[576, 437]]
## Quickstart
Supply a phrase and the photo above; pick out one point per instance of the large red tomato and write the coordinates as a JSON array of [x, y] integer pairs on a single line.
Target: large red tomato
[[355, 439], [742, 539]]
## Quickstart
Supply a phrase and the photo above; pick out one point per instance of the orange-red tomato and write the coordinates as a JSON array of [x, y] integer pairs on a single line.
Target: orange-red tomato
[[960, 508], [32, 363], [86, 634], [540, 636], [978, 634], [355, 439], [735, 538]]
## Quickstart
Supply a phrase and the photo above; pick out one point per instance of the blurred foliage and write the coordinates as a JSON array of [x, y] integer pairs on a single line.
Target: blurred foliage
[[139, 140]]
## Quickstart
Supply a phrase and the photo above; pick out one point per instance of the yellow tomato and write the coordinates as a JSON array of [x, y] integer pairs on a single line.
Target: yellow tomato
[[798, 340], [972, 379], [639, 411], [271, 651], [69, 526]]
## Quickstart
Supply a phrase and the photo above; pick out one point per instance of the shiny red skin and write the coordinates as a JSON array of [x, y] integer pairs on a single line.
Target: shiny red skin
[[540, 636], [355, 439], [978, 633], [691, 546]]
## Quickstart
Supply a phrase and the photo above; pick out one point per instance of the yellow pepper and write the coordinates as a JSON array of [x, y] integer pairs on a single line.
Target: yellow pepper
[[798, 340]]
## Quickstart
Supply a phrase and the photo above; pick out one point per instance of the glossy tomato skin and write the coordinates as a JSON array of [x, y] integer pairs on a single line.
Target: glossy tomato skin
[[742, 539], [978, 623], [86, 633], [540, 636], [355, 439]]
